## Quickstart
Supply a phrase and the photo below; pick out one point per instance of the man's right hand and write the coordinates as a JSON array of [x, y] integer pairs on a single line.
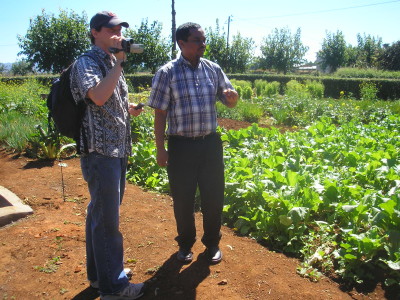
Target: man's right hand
[[162, 157], [121, 55]]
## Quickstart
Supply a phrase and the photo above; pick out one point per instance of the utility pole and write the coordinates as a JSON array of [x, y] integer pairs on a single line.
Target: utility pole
[[173, 29], [227, 38]]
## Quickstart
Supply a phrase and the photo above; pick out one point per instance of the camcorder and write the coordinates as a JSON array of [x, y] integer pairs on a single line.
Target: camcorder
[[128, 46]]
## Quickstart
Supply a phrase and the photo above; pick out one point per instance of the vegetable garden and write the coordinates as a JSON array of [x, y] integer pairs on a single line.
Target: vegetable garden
[[325, 191]]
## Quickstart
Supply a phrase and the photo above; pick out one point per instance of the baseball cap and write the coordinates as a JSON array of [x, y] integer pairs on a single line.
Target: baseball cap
[[106, 19]]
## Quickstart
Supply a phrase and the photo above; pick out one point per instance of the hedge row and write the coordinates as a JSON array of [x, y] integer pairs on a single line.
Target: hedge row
[[142, 80], [389, 89]]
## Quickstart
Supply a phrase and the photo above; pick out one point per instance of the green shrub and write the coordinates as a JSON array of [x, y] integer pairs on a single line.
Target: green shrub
[[368, 91], [239, 90], [315, 88], [259, 86], [242, 83], [25, 98], [250, 112], [247, 93], [244, 111], [16, 130], [271, 89], [296, 89]]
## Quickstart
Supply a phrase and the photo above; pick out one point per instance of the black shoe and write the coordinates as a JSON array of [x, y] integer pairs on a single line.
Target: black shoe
[[184, 255], [214, 255]]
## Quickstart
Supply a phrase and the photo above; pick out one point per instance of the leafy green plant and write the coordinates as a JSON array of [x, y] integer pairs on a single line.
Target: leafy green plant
[[21, 107], [50, 146], [296, 89], [16, 129], [242, 83], [142, 126], [51, 266], [368, 91], [327, 194], [247, 93], [259, 85], [243, 87], [239, 90], [244, 111], [266, 89], [315, 88], [25, 98], [271, 89]]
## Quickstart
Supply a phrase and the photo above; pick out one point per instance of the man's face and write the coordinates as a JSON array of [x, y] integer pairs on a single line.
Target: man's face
[[195, 45], [104, 37]]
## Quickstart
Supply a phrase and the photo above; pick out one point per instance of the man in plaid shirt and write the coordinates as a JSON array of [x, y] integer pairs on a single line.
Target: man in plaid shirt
[[184, 94]]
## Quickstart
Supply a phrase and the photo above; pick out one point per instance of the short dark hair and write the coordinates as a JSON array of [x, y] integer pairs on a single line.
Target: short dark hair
[[183, 31], [90, 35]]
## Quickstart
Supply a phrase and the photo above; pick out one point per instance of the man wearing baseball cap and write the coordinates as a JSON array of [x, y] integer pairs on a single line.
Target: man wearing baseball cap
[[97, 79]]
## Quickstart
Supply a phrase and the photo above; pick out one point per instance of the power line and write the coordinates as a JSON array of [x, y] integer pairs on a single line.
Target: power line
[[320, 11]]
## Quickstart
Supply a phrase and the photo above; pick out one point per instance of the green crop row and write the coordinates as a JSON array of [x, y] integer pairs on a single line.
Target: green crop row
[[326, 194]]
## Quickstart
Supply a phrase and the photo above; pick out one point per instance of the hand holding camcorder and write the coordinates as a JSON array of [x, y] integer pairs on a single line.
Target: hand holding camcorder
[[128, 46]]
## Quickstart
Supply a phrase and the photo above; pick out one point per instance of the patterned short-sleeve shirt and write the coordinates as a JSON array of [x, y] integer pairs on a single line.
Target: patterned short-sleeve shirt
[[189, 94], [107, 127]]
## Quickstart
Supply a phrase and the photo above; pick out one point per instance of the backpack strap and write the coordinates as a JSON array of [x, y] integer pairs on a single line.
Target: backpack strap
[[95, 58]]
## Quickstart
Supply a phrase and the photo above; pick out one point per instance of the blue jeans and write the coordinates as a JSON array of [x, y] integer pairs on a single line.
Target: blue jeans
[[104, 247]]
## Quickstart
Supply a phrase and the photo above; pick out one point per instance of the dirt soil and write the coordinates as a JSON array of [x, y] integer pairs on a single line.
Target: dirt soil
[[43, 255]]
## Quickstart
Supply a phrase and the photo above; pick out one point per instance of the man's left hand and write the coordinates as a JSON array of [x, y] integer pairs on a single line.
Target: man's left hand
[[133, 110], [231, 97]]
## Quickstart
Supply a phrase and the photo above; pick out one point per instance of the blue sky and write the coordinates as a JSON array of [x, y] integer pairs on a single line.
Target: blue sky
[[252, 18]]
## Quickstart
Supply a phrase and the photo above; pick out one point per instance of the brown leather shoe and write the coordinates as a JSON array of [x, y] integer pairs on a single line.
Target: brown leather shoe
[[214, 255], [184, 255]]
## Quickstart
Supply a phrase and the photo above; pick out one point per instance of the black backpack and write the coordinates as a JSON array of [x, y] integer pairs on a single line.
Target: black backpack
[[63, 109]]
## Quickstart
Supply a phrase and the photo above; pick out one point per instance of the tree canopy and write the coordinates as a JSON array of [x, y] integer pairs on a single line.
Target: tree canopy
[[156, 49], [233, 58], [369, 50], [390, 57], [333, 52], [282, 51], [52, 43], [21, 67]]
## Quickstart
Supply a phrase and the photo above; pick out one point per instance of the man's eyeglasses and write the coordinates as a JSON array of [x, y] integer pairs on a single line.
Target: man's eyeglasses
[[198, 42]]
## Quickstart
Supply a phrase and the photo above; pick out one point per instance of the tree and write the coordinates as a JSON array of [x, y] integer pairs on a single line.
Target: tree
[[53, 43], [390, 57], [351, 56], [21, 67], [369, 50], [282, 51], [240, 54], [216, 49], [235, 58], [333, 52], [2, 68], [156, 48]]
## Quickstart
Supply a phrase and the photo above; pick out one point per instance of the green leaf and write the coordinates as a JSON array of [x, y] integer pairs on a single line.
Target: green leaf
[[350, 256], [285, 220]]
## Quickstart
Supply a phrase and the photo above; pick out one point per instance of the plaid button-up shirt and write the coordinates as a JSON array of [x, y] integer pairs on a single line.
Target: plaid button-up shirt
[[107, 128], [189, 95]]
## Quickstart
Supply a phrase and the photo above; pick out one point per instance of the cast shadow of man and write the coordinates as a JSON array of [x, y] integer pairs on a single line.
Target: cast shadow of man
[[87, 294], [174, 280]]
